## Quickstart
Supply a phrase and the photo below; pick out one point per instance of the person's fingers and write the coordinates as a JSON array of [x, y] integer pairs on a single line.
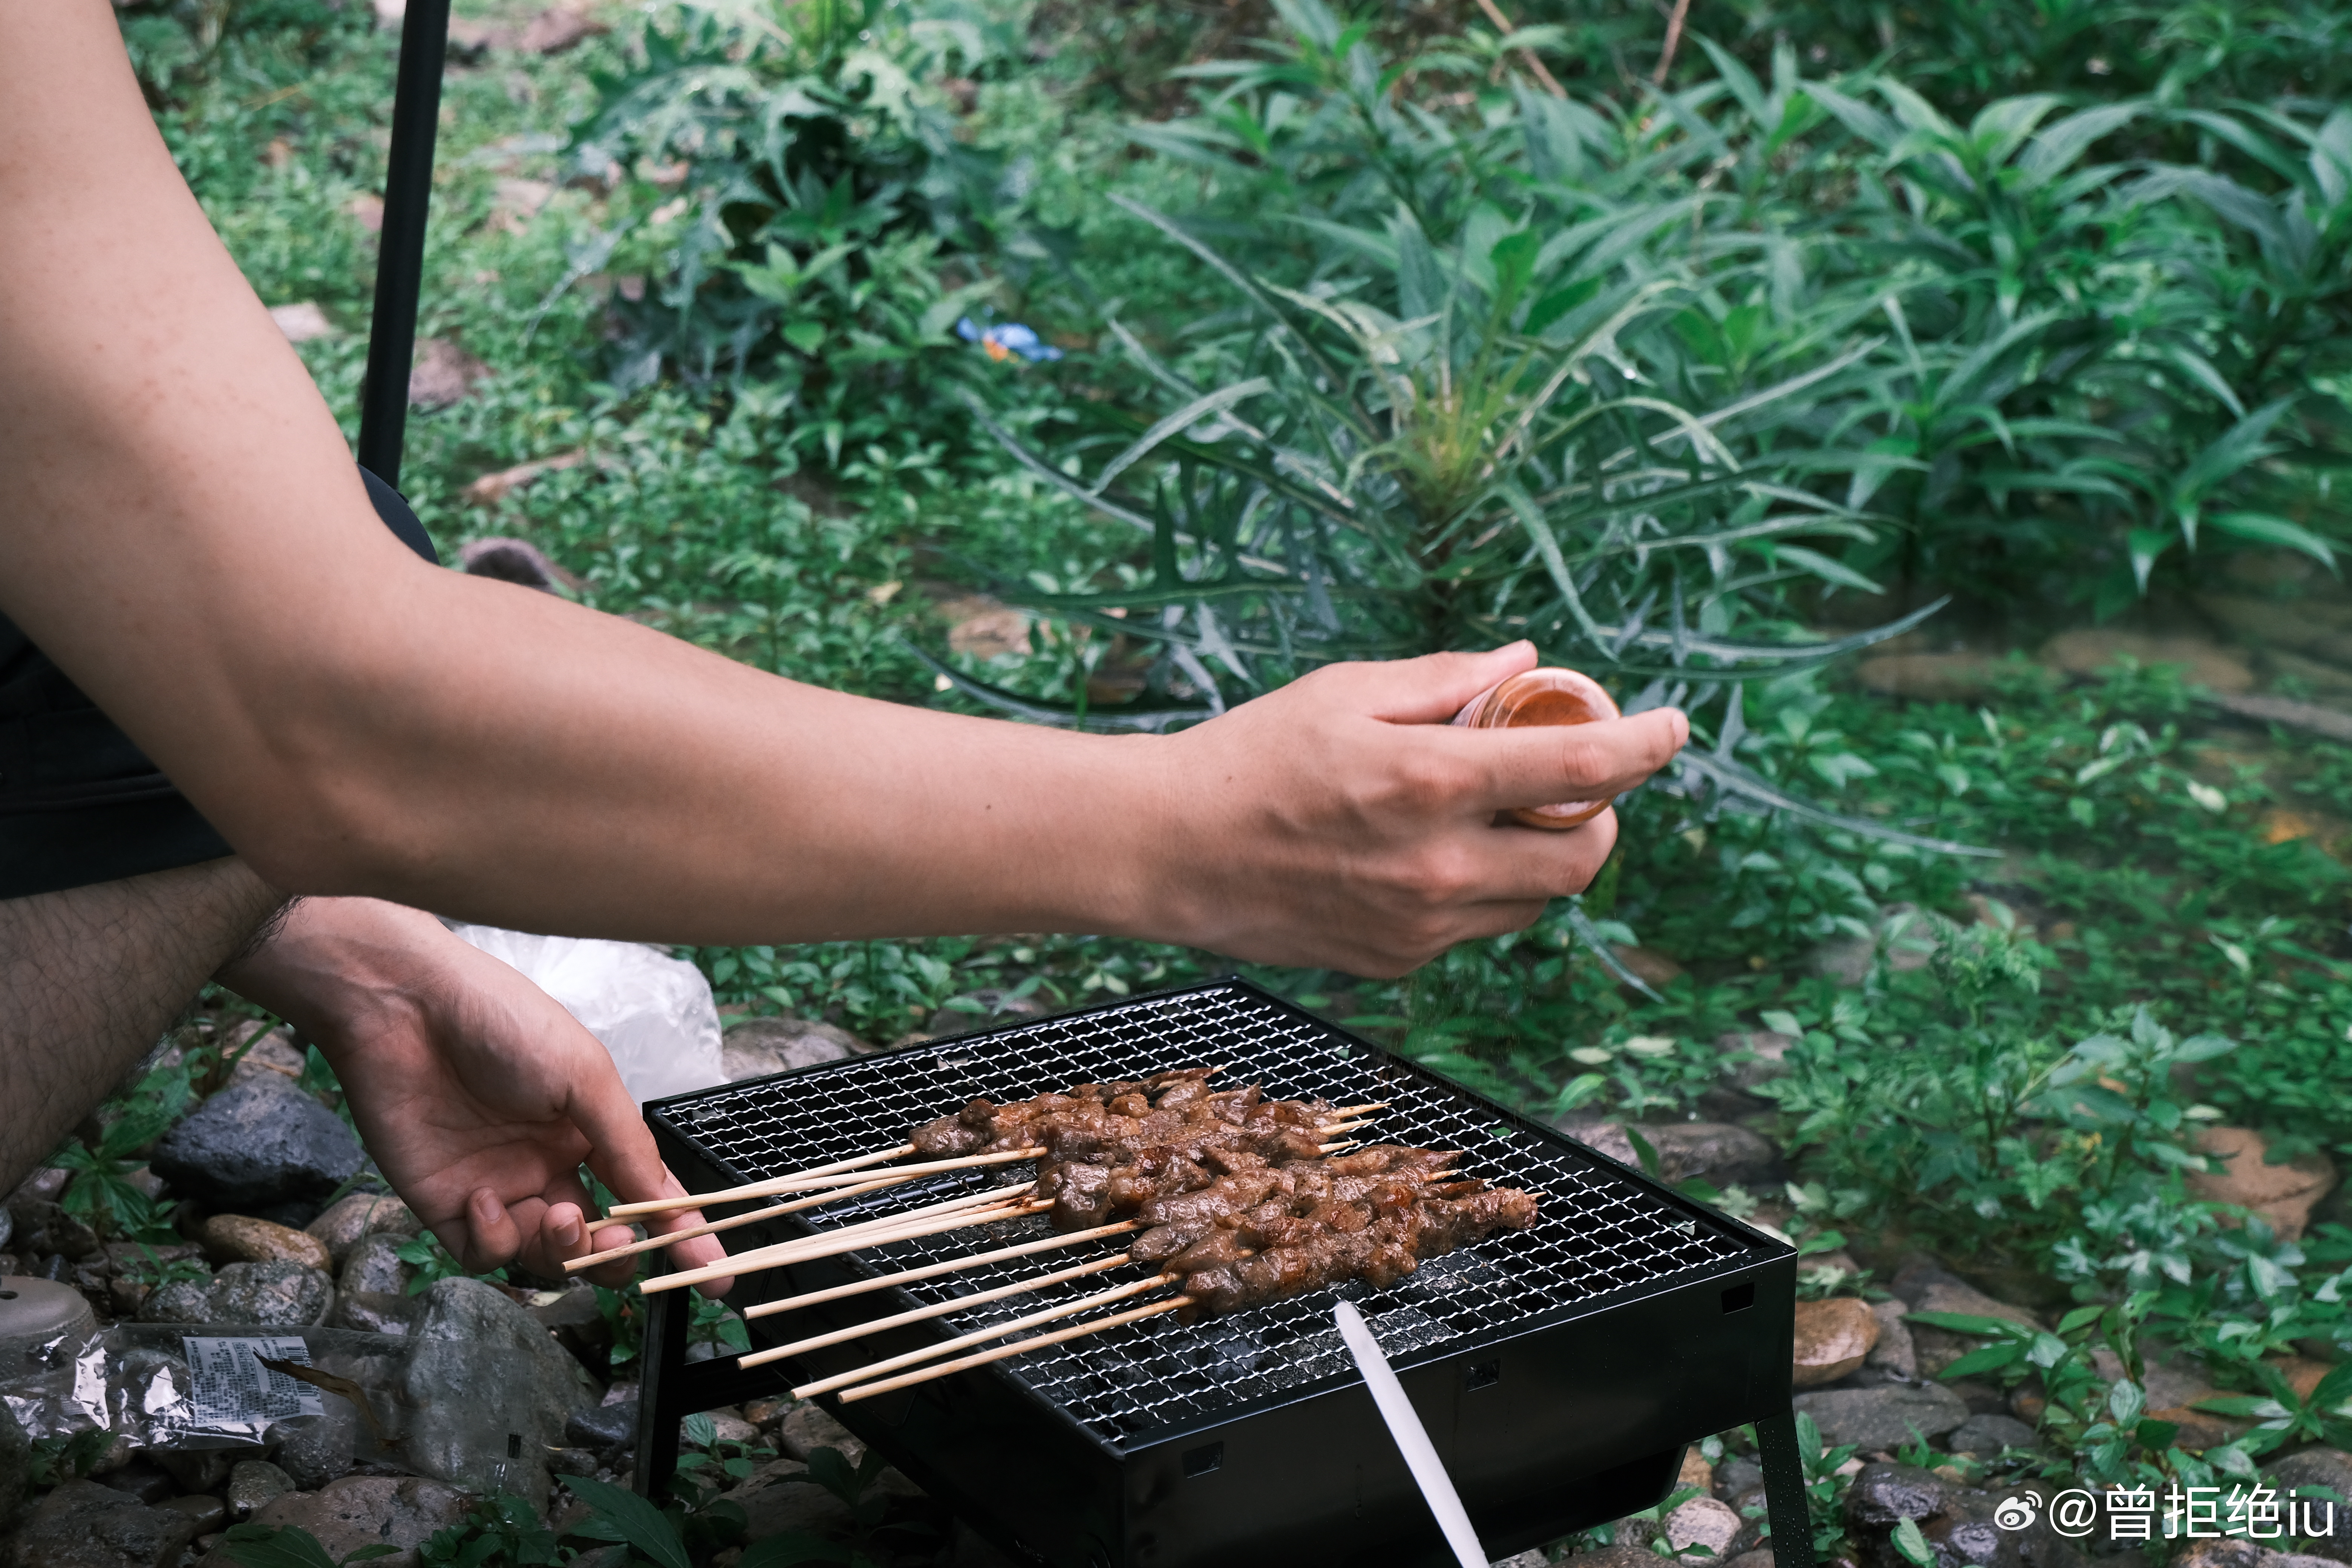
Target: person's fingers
[[1554, 764], [492, 1238], [1432, 688]]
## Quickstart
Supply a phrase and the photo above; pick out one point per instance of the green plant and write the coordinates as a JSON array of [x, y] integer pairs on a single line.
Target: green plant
[[262, 1546], [434, 1263], [57, 1460], [101, 1194]]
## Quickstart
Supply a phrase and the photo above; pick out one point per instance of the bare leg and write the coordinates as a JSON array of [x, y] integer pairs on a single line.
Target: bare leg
[[89, 977]]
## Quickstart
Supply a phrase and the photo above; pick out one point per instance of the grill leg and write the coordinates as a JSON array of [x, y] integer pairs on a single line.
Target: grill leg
[[1784, 1491], [662, 1395]]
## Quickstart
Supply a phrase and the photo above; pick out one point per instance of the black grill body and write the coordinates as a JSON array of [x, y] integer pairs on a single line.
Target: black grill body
[[1560, 1370]]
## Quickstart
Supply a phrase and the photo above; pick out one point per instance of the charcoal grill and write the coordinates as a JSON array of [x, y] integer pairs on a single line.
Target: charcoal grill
[[1560, 1370]]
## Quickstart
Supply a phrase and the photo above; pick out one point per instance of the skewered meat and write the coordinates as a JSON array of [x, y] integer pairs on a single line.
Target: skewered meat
[[1221, 1273]]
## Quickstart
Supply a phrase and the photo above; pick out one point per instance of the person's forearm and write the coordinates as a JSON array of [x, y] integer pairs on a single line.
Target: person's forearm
[[91, 978], [183, 533]]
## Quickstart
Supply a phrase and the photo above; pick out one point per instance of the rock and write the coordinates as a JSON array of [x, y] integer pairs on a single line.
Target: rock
[[1989, 1434], [809, 1428], [1703, 1523], [142, 1478], [2282, 1194], [1765, 1053], [1695, 1472], [445, 374], [516, 561], [84, 1525], [15, 1467], [209, 1513], [984, 627], [1618, 1556], [374, 1311], [1724, 1154], [352, 1219], [1935, 1349], [603, 1426], [515, 202], [374, 1266], [2203, 662], [303, 322], [730, 1429], [1883, 1495], [1528, 1559], [2309, 1471], [760, 1046], [1759, 1558], [765, 1413], [195, 1471], [2330, 723], [1648, 965], [1737, 1475], [274, 1295], [1928, 676], [2226, 1552], [240, 1239], [501, 558], [774, 1502], [254, 1484], [1833, 1338], [368, 1510], [1884, 1418], [274, 1052], [1895, 1355], [37, 1312], [501, 1361], [259, 1142], [554, 31]]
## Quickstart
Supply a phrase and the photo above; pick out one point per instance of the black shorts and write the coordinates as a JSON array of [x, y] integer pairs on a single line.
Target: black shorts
[[78, 802]]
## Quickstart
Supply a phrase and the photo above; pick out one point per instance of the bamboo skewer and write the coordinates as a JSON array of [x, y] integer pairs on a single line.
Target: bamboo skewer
[[867, 1390], [709, 1228], [749, 1262], [982, 1336], [957, 1211], [824, 1176], [937, 1310], [933, 1271]]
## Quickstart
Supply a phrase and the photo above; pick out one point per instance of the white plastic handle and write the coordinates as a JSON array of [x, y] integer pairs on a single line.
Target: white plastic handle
[[1405, 1426]]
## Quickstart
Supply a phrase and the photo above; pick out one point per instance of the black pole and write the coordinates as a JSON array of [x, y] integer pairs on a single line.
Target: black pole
[[400, 259]]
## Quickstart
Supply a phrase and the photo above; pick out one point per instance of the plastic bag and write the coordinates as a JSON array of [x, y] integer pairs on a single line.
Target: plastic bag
[[321, 1400], [653, 1013]]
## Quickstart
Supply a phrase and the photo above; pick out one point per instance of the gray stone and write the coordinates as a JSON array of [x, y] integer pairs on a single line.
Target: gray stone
[[1726, 1154], [760, 1046], [373, 1265], [259, 1143], [209, 1513], [1766, 1056], [1884, 1418], [2309, 1472], [273, 1295], [1895, 1356], [492, 1390], [809, 1428], [1759, 1558], [85, 1525], [1704, 1522], [142, 1478], [349, 1220], [368, 1510], [254, 1484], [1618, 1556], [773, 1501], [195, 1469], [374, 1312], [1531, 1559], [1883, 1495], [1989, 1434], [603, 1426], [1736, 1475]]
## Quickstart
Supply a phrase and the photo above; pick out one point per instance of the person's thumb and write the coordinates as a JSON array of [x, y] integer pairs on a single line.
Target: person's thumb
[[1433, 688]]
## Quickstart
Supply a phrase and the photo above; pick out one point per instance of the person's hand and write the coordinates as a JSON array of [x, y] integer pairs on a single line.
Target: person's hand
[[478, 1094], [1341, 822]]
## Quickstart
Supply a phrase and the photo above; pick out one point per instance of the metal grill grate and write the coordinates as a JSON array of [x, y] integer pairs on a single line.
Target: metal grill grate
[[1598, 1234]]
